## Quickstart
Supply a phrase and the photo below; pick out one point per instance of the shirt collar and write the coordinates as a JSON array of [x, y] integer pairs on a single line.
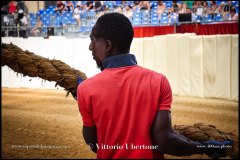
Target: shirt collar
[[121, 60]]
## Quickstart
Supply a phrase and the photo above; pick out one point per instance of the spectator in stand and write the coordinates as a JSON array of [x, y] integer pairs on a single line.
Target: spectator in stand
[[89, 5], [160, 9], [213, 7], [233, 14], [59, 7], [24, 20], [199, 9], [77, 13], [228, 6], [193, 14], [12, 7], [69, 6], [128, 12], [194, 7], [220, 9], [183, 7], [188, 10], [136, 5], [119, 9], [97, 6], [24, 24], [205, 8], [227, 9], [144, 5], [15, 16], [199, 3], [105, 10], [175, 7], [20, 15], [38, 27]]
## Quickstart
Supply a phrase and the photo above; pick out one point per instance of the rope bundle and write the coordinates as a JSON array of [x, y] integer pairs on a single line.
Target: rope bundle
[[201, 132], [33, 65]]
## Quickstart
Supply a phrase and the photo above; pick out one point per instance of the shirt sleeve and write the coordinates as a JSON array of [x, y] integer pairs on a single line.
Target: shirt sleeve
[[165, 96], [84, 108]]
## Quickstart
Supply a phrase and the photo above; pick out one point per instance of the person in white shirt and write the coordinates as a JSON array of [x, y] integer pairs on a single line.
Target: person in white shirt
[[160, 9], [182, 7], [128, 12], [233, 14], [38, 27], [24, 20], [24, 26], [77, 13]]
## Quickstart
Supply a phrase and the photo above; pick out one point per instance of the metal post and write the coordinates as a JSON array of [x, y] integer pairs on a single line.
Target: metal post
[[7, 32], [175, 24], [18, 27]]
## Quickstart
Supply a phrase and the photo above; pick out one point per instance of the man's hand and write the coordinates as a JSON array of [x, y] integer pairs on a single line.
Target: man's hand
[[170, 142], [74, 93], [216, 149]]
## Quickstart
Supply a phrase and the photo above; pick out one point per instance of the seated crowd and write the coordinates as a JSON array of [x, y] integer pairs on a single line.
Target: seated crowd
[[196, 7], [226, 9]]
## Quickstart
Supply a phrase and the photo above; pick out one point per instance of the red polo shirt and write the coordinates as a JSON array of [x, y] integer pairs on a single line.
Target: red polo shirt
[[122, 102]]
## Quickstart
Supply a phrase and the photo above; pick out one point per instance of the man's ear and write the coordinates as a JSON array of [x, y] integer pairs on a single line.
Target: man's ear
[[108, 45]]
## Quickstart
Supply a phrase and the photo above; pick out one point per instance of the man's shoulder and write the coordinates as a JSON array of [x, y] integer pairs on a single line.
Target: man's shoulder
[[91, 81], [149, 71]]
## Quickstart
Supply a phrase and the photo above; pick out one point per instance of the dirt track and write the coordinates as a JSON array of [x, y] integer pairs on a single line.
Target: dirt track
[[48, 125]]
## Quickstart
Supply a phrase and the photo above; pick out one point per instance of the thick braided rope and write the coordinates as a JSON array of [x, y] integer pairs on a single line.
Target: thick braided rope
[[33, 65], [201, 132]]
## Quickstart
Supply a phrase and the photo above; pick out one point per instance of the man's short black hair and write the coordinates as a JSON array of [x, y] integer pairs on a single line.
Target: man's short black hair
[[117, 28]]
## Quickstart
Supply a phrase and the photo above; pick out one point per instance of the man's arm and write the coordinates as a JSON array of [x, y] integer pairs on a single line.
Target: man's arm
[[89, 132], [90, 136], [168, 141]]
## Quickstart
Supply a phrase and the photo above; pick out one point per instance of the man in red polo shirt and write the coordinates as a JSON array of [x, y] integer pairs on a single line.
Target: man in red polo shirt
[[126, 108]]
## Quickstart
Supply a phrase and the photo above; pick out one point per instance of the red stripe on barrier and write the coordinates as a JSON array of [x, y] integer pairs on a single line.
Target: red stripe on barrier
[[199, 29]]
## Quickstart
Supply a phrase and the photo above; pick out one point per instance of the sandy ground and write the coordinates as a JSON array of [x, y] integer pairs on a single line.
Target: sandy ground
[[46, 124]]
